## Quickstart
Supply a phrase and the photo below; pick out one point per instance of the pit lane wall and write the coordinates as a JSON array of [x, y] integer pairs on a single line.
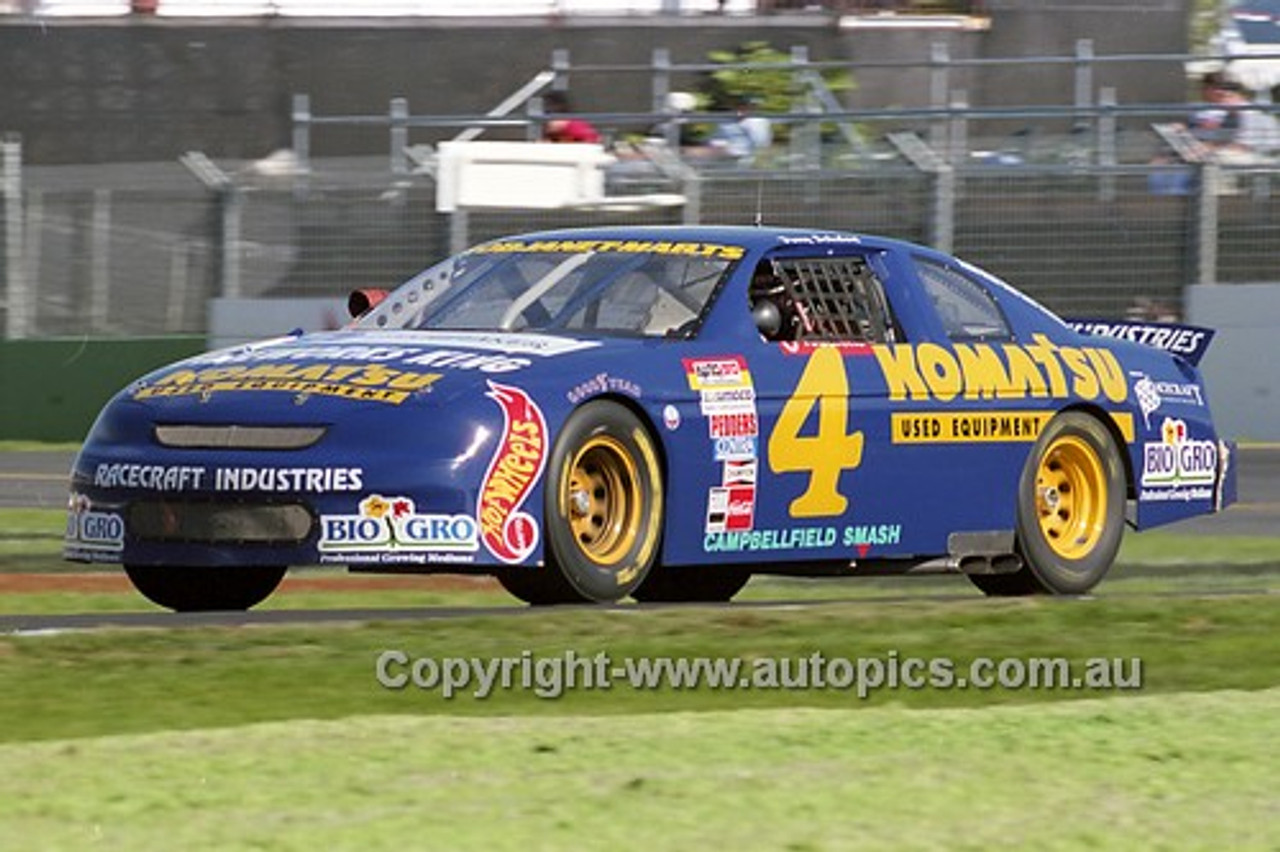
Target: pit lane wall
[[51, 390]]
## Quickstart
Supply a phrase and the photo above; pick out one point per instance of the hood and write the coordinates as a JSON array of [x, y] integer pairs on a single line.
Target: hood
[[347, 370]]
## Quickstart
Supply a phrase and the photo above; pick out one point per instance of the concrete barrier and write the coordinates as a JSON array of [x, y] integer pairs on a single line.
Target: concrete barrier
[[1240, 366]]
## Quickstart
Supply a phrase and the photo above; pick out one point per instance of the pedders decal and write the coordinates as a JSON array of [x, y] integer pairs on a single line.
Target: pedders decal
[[517, 464]]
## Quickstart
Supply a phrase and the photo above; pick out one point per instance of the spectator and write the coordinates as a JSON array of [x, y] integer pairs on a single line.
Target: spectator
[[1212, 125], [744, 138], [1254, 132], [560, 129], [1232, 127]]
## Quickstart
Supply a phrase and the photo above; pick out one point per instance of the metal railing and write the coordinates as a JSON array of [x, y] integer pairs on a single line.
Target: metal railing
[[946, 117], [1091, 217], [152, 258]]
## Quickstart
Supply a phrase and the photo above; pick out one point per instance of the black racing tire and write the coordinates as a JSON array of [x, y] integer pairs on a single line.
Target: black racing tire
[[604, 503], [206, 589], [1071, 506], [538, 586], [691, 584]]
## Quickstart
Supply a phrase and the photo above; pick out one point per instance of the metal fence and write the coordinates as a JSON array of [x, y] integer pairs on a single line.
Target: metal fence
[[141, 249]]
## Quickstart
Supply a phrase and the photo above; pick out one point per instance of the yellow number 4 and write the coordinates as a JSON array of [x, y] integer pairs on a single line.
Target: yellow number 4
[[827, 453]]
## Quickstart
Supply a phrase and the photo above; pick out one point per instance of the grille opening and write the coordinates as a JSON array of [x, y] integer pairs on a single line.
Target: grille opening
[[220, 523], [235, 437]]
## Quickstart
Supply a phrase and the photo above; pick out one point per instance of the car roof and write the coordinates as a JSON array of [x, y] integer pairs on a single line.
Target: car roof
[[752, 238]]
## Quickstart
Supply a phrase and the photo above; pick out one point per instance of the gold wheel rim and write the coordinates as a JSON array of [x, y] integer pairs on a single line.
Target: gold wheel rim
[[603, 500], [1071, 497]]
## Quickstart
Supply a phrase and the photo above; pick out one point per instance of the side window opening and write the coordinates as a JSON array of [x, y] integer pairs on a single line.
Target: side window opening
[[821, 299], [966, 309]]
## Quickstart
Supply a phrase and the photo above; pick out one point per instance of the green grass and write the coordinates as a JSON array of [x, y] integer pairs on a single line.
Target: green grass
[[1182, 771], [13, 446], [109, 682], [764, 779], [280, 737]]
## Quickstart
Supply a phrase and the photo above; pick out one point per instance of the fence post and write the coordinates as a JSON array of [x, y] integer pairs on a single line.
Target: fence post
[[179, 282], [943, 227], [100, 260], [232, 222], [560, 67], [17, 299], [399, 118], [1083, 76], [939, 88], [1106, 144], [1206, 225], [691, 214], [302, 145], [660, 84], [958, 128], [302, 131], [806, 139], [536, 110], [459, 230]]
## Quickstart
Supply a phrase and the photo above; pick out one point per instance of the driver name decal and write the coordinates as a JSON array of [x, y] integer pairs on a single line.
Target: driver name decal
[[508, 533]]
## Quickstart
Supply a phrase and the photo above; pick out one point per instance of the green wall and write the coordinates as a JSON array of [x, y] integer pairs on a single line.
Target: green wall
[[51, 390]]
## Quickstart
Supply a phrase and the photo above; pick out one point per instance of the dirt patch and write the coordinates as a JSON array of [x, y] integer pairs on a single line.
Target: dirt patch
[[36, 583], [18, 583], [379, 582]]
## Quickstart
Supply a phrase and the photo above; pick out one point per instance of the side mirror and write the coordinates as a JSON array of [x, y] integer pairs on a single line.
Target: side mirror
[[360, 302]]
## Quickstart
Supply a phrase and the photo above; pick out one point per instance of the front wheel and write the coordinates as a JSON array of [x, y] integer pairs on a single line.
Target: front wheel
[[205, 589], [604, 506], [1071, 499]]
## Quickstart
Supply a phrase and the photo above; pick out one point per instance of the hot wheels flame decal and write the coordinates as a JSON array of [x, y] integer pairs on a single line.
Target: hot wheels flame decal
[[518, 462]]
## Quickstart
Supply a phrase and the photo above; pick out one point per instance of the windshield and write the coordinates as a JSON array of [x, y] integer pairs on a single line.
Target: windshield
[[606, 287]]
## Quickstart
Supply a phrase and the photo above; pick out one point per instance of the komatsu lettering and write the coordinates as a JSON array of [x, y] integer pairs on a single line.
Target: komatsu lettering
[[1040, 369]]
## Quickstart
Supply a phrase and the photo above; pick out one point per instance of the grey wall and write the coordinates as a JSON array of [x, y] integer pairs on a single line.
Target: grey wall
[[149, 89], [1241, 364]]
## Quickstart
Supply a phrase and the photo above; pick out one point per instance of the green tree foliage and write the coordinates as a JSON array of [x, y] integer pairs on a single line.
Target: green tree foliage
[[768, 89], [1206, 20]]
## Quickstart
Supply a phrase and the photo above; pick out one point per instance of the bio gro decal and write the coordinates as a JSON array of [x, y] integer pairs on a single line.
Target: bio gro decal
[[1178, 467], [517, 464], [391, 529], [90, 531]]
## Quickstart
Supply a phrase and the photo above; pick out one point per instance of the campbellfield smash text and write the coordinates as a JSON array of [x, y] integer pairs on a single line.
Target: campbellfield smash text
[[550, 676]]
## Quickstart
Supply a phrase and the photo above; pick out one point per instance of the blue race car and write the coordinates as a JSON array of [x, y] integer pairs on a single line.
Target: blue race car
[[658, 413]]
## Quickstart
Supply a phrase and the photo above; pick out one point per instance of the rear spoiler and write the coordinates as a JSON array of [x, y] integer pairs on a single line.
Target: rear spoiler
[[1187, 341]]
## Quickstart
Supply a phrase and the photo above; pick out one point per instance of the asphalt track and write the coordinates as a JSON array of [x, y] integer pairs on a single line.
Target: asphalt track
[[38, 625], [38, 480]]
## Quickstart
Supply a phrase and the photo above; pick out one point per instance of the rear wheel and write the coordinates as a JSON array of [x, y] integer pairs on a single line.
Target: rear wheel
[[604, 505], [205, 589], [1070, 511]]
